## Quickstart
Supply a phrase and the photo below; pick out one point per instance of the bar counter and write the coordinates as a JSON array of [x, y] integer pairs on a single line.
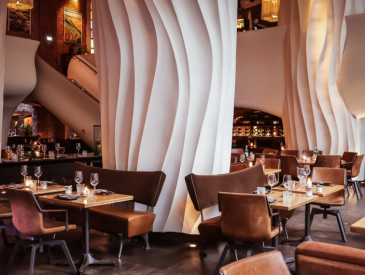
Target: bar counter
[[51, 168]]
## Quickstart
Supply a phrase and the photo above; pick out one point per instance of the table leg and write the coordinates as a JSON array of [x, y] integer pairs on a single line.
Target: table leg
[[307, 237]]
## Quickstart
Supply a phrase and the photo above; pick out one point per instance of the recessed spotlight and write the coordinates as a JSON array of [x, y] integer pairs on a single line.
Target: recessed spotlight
[[192, 245]]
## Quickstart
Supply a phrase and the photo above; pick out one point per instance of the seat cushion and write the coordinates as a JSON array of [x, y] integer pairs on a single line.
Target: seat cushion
[[119, 220], [5, 210], [336, 199], [211, 229], [54, 226]]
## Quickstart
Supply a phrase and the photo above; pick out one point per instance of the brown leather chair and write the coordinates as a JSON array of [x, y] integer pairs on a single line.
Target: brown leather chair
[[328, 161], [316, 258], [246, 218], [289, 166], [5, 213], [290, 153], [237, 151], [237, 167], [28, 219], [349, 157], [270, 151], [336, 176], [203, 191], [270, 163], [145, 187], [309, 153], [263, 264], [353, 171], [233, 159]]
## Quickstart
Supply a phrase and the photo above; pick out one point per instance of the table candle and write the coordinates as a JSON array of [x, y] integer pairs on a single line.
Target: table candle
[[304, 158], [37, 153], [85, 191], [319, 188], [309, 183], [27, 183], [250, 164], [309, 191]]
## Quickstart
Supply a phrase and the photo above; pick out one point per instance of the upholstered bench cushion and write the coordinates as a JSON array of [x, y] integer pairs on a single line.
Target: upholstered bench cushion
[[115, 219], [211, 229]]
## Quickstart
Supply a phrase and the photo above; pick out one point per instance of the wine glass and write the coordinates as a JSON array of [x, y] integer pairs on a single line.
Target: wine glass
[[286, 179], [13, 148], [44, 149], [300, 173], [24, 171], [242, 157], [94, 180], [78, 147], [78, 177], [38, 173], [271, 181], [8, 150], [57, 147], [262, 161], [21, 147], [307, 171]]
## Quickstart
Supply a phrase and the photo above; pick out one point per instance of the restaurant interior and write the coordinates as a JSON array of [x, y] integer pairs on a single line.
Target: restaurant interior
[[220, 137]]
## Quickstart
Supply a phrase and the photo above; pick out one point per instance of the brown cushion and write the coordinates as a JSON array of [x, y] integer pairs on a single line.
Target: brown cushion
[[5, 211], [119, 220], [336, 199], [53, 226], [211, 229]]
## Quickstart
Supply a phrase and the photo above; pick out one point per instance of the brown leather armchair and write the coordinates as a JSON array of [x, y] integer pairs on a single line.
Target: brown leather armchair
[[353, 171], [289, 166], [336, 176], [316, 258], [237, 167], [28, 219], [5, 213], [270, 151], [328, 161], [203, 191], [263, 264], [349, 157], [290, 153], [246, 218], [309, 153], [145, 187], [237, 151]]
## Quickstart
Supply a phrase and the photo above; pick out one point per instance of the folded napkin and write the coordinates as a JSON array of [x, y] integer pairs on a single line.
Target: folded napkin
[[101, 191], [49, 183], [16, 186], [271, 200], [255, 192], [67, 197], [323, 183]]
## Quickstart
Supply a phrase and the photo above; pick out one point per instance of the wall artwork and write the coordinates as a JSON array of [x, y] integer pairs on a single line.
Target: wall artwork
[[19, 21], [72, 26]]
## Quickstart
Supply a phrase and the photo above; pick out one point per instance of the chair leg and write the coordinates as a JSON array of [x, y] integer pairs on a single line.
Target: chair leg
[[235, 254], [3, 232], [220, 263], [284, 227], [122, 239], [203, 243], [12, 257], [341, 226], [145, 237], [249, 253], [348, 189], [356, 190], [49, 259], [32, 258], [359, 188], [66, 252]]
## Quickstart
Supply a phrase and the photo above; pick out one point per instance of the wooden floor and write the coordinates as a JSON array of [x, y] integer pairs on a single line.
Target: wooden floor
[[170, 252]]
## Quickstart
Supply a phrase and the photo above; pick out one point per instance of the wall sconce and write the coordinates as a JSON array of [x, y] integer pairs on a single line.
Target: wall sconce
[[240, 25], [49, 40]]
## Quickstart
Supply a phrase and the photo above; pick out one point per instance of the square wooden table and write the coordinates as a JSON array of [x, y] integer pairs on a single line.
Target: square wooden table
[[271, 171], [358, 227], [38, 191], [87, 259], [326, 190]]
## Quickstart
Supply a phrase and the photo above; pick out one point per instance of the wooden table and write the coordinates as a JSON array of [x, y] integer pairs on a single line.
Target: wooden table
[[358, 227], [311, 162], [271, 171], [87, 259], [38, 191], [326, 190]]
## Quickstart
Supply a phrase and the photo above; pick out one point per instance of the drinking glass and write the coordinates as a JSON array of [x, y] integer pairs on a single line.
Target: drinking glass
[[287, 196], [44, 149], [307, 171], [78, 147], [8, 150], [261, 190], [262, 161], [57, 147], [68, 190], [80, 189], [84, 153], [286, 178], [90, 194], [38, 173], [18, 149], [13, 148], [24, 171], [272, 181], [78, 177], [242, 157], [94, 180]]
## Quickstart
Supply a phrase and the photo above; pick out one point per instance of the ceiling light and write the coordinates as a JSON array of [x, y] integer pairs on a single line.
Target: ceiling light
[[270, 9], [21, 4], [192, 245]]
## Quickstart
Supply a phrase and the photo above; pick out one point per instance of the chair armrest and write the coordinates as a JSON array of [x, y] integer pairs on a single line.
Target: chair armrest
[[347, 164], [58, 210]]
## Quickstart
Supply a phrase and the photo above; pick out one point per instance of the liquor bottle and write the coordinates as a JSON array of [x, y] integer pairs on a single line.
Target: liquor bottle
[[246, 151]]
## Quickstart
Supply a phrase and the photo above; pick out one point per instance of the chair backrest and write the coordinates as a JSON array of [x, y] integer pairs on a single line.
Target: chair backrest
[[237, 150], [355, 171], [262, 264], [237, 167], [335, 175], [203, 189], [309, 153], [233, 159], [290, 153], [267, 156], [245, 217], [288, 165], [270, 163], [27, 217], [328, 161], [349, 156], [270, 151], [145, 187]]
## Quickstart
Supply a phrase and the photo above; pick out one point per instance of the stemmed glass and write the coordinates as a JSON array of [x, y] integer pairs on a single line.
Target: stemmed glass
[[13, 148], [44, 149], [94, 180], [307, 171], [242, 157], [24, 171], [8, 150], [300, 173], [79, 177], [78, 147], [272, 181], [57, 147], [286, 179], [262, 161], [38, 173]]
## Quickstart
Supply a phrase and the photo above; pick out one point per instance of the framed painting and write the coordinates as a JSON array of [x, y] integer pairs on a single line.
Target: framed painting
[[72, 26], [19, 21]]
